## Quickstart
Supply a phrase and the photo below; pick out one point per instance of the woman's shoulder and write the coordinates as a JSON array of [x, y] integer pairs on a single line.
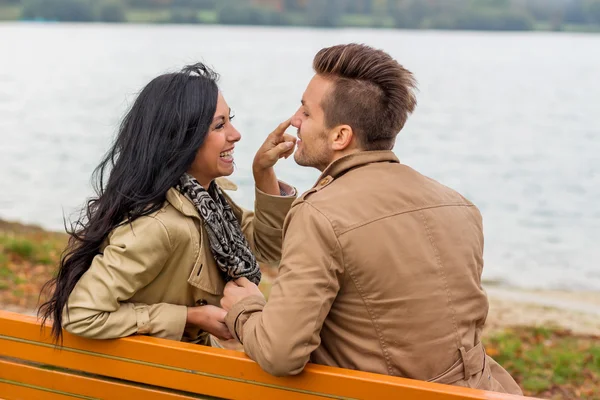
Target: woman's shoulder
[[173, 220], [166, 223]]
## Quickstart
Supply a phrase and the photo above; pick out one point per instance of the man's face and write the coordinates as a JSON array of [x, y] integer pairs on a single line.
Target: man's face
[[313, 147]]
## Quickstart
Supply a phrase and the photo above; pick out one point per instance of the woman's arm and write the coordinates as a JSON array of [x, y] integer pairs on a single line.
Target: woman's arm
[[98, 307]]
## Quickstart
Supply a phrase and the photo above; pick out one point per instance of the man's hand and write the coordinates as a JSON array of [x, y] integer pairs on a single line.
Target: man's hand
[[277, 145], [237, 290]]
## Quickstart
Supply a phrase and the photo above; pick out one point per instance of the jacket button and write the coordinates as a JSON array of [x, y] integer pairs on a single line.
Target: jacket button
[[325, 181], [201, 302]]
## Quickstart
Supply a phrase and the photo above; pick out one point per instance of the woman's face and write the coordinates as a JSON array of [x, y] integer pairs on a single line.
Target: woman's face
[[215, 157]]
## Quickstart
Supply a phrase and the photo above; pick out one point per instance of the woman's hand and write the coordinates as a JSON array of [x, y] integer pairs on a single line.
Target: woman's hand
[[277, 145], [210, 319]]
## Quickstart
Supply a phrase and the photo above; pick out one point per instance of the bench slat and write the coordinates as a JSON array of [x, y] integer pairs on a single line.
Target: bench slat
[[143, 373], [76, 386], [209, 371], [14, 392]]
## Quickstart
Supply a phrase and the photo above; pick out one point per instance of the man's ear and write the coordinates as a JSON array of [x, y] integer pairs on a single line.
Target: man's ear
[[341, 137]]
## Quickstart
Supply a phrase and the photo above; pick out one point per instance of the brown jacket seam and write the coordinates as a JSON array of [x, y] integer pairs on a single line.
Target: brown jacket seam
[[370, 311], [443, 276], [361, 224], [339, 246], [337, 238], [316, 320], [373, 318]]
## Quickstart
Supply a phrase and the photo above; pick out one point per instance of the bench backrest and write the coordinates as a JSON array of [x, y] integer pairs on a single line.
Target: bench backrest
[[31, 366]]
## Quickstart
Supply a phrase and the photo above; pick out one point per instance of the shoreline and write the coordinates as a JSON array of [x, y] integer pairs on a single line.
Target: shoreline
[[574, 311], [578, 312], [511, 308]]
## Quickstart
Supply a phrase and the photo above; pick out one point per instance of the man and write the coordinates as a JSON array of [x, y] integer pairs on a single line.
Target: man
[[381, 266]]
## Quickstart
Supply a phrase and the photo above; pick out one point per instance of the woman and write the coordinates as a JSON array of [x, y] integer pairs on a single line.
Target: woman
[[155, 248]]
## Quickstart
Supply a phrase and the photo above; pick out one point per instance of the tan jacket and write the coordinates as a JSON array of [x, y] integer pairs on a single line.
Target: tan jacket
[[380, 272], [150, 271]]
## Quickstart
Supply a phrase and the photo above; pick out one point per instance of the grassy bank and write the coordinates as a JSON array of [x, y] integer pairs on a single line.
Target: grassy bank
[[547, 363], [28, 258]]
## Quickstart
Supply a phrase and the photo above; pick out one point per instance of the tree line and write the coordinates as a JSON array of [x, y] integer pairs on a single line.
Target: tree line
[[403, 14]]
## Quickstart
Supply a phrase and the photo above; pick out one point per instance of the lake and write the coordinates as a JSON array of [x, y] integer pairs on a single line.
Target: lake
[[505, 118]]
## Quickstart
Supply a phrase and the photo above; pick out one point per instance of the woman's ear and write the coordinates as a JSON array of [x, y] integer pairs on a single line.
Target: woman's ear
[[341, 137]]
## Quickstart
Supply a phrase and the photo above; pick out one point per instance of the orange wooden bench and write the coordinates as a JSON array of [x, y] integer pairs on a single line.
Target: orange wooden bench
[[32, 367]]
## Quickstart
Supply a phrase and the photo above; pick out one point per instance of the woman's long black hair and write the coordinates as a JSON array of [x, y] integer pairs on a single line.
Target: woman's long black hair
[[157, 142]]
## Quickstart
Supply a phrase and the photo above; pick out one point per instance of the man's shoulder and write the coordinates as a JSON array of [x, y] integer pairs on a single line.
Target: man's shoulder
[[376, 191], [306, 215]]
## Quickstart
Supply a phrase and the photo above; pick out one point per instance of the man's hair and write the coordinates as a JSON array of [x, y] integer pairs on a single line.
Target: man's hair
[[372, 93]]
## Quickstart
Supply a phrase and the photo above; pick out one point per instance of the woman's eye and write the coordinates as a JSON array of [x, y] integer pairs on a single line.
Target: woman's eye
[[222, 125], [305, 114]]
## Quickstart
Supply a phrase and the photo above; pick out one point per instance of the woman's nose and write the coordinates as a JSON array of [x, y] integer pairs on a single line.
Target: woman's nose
[[234, 135]]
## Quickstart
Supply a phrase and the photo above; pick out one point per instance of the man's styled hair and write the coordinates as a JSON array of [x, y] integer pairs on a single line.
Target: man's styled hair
[[372, 93]]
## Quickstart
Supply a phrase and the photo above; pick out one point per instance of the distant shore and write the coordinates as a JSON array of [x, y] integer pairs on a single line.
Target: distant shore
[[421, 15]]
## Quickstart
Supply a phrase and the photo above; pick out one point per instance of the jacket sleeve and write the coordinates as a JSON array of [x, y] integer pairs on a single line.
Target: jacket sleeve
[[263, 227], [282, 334], [97, 307]]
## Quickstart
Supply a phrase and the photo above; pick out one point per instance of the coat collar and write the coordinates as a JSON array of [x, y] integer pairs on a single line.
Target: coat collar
[[185, 206], [346, 163]]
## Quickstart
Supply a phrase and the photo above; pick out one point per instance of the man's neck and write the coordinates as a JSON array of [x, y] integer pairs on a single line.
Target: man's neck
[[340, 154]]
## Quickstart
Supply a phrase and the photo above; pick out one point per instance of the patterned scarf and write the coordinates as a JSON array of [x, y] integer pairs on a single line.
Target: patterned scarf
[[227, 242]]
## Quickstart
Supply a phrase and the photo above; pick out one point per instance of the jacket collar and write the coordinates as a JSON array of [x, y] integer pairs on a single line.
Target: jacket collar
[[346, 163], [185, 206]]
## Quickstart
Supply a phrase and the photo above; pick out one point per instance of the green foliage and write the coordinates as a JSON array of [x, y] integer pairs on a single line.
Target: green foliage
[[150, 4], [59, 10], [592, 10], [411, 14], [20, 247], [494, 19], [463, 14], [195, 4], [323, 13], [110, 11], [544, 360], [571, 15], [27, 249], [232, 12], [10, 12], [183, 16], [208, 17], [137, 15]]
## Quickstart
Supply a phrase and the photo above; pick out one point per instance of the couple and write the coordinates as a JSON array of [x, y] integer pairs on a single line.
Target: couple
[[379, 266]]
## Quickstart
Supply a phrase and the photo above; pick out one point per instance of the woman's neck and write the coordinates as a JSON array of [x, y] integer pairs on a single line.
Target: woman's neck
[[204, 182]]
